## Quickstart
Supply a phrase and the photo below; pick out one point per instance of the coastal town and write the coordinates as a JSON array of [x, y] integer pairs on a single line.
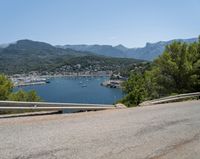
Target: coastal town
[[35, 78]]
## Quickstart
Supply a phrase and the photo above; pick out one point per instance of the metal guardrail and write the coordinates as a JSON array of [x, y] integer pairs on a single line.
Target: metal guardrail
[[6, 105], [170, 98]]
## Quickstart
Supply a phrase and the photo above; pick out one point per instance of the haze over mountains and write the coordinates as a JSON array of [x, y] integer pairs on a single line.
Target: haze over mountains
[[149, 52]]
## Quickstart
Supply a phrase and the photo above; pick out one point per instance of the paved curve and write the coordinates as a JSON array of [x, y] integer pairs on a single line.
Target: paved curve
[[153, 132]]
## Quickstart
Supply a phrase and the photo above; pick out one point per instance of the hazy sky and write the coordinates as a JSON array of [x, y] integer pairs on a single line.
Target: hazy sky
[[128, 22]]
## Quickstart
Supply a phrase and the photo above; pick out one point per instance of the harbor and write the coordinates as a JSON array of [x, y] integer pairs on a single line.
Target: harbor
[[28, 80], [35, 78], [75, 89]]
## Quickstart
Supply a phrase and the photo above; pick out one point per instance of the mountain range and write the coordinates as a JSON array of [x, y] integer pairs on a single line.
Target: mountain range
[[24, 56], [149, 52]]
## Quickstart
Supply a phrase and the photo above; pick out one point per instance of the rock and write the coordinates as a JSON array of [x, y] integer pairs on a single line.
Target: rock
[[120, 106]]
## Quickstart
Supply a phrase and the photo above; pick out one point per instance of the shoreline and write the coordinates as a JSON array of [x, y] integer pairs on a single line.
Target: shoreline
[[30, 84], [22, 82], [82, 75]]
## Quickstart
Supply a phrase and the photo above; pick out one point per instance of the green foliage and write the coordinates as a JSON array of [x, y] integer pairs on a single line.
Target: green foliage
[[6, 92], [135, 89], [176, 71], [134, 68], [6, 87], [30, 96]]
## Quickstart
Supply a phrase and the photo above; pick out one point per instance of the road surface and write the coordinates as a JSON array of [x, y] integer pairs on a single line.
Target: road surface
[[152, 132]]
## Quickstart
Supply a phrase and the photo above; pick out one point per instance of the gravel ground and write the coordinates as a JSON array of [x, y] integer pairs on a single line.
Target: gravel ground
[[153, 132]]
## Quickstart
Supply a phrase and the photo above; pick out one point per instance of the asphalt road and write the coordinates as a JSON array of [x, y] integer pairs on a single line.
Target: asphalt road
[[152, 132]]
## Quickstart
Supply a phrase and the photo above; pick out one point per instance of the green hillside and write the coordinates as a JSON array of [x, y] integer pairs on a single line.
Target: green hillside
[[26, 55]]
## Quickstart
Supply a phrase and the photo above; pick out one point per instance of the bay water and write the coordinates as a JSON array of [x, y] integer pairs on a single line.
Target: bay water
[[76, 90]]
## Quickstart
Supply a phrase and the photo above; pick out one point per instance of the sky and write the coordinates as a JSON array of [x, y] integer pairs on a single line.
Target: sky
[[112, 22]]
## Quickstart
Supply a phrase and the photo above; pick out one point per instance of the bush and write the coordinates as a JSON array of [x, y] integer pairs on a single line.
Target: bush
[[30, 96], [135, 89], [6, 93], [6, 87]]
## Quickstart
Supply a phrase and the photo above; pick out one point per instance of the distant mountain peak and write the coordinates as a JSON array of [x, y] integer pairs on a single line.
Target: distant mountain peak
[[26, 44], [121, 47], [28, 41]]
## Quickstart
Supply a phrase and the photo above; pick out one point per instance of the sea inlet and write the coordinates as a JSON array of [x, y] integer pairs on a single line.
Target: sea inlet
[[76, 89]]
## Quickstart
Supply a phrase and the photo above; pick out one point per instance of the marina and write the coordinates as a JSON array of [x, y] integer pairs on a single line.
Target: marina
[[29, 80]]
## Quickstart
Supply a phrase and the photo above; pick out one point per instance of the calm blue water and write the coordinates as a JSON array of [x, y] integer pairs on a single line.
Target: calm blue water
[[71, 90]]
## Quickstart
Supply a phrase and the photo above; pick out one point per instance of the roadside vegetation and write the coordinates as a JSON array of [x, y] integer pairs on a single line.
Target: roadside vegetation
[[6, 93], [176, 71]]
